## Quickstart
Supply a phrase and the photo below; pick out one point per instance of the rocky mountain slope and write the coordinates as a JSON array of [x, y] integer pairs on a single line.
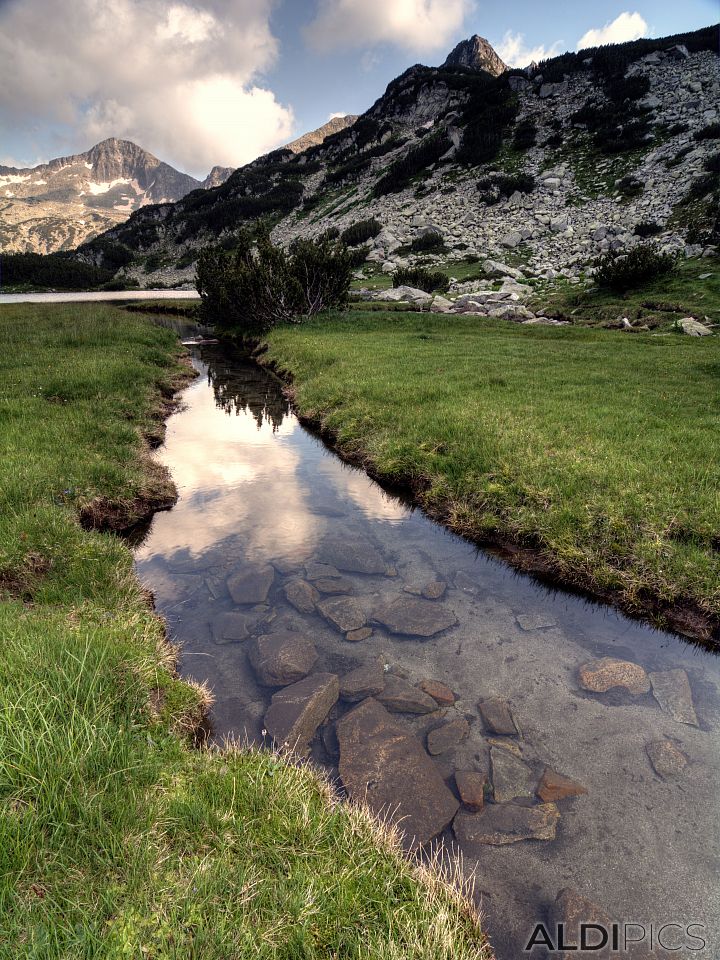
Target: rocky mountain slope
[[476, 54], [316, 137], [539, 170], [60, 204]]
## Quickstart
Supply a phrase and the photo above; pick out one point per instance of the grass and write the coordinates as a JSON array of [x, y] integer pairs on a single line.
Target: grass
[[117, 838], [657, 304], [591, 447]]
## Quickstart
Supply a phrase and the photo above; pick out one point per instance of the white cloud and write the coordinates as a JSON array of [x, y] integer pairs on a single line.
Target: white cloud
[[516, 53], [178, 78], [626, 26], [422, 25], [336, 116]]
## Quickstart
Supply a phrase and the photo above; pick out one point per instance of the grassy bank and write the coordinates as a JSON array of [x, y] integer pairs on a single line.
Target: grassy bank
[[117, 839], [595, 450]]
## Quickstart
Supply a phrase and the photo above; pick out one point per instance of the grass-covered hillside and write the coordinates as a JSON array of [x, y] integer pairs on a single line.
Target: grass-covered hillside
[[594, 450], [118, 839]]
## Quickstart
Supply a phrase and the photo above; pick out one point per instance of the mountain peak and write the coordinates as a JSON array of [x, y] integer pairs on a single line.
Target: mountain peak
[[476, 53]]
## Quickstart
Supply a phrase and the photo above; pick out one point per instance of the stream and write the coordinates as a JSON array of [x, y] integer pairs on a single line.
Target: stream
[[274, 537]]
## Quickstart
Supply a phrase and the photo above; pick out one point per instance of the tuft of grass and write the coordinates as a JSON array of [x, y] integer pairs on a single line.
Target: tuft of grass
[[588, 446], [117, 839]]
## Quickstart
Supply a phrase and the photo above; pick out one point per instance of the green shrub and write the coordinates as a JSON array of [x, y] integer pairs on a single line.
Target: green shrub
[[358, 256], [525, 135], [421, 279], [630, 186], [647, 229], [416, 160], [499, 185], [361, 232], [431, 240], [620, 271], [710, 132], [260, 285], [57, 270]]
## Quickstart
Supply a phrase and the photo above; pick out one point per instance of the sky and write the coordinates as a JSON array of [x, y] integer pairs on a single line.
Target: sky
[[205, 82]]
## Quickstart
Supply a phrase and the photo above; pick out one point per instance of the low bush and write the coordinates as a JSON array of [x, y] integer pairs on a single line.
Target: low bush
[[525, 135], [57, 270], [677, 159], [260, 285], [621, 271], [431, 240], [361, 232], [421, 279], [647, 229], [499, 185], [630, 186], [358, 256], [709, 132], [415, 161]]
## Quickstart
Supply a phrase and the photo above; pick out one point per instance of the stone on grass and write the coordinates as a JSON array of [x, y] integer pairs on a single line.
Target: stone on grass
[[555, 786], [601, 675], [667, 759], [671, 689], [449, 735], [498, 717], [364, 681], [511, 777], [353, 556], [301, 595], [400, 696], [440, 692], [471, 787], [298, 710], [282, 658], [252, 585], [414, 617], [230, 627], [501, 823], [693, 327], [343, 612], [385, 766]]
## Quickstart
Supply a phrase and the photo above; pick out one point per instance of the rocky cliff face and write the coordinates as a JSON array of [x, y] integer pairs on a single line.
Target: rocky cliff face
[[476, 54], [63, 203], [316, 137]]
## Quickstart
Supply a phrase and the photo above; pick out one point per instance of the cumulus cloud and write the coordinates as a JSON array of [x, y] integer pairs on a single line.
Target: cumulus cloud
[[422, 25], [179, 78], [626, 26], [514, 50]]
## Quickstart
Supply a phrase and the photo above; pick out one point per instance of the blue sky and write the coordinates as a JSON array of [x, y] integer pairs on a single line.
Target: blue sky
[[200, 82]]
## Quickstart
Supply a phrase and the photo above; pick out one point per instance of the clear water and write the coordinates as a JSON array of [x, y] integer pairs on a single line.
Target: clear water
[[256, 488]]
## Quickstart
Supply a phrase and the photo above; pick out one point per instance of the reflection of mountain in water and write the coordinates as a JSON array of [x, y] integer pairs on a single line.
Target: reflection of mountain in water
[[239, 386]]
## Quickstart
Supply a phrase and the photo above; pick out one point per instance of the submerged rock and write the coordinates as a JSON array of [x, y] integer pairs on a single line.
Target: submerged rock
[[301, 595], [298, 710], [671, 689], [231, 627], [332, 585], [449, 735], [434, 590], [667, 759], [440, 692], [355, 636], [343, 612], [511, 776], [400, 696], [384, 765], [498, 717], [554, 786], [251, 586], [571, 909], [282, 658], [603, 674], [353, 556], [501, 823], [364, 681], [318, 571], [414, 617], [471, 787]]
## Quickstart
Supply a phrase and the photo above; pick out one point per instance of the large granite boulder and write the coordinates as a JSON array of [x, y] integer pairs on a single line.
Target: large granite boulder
[[282, 658], [384, 765], [298, 710]]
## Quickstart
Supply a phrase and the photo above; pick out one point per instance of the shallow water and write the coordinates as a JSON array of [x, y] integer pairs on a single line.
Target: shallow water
[[84, 296], [256, 488]]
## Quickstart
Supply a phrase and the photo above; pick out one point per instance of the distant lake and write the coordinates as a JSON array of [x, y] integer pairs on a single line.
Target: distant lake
[[69, 296]]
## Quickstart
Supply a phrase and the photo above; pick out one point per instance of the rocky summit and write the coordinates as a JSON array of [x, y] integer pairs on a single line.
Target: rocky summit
[[529, 175], [476, 54], [60, 204]]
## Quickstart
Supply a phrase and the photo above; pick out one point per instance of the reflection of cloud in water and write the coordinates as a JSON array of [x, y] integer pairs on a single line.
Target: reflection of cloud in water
[[232, 475], [374, 503]]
